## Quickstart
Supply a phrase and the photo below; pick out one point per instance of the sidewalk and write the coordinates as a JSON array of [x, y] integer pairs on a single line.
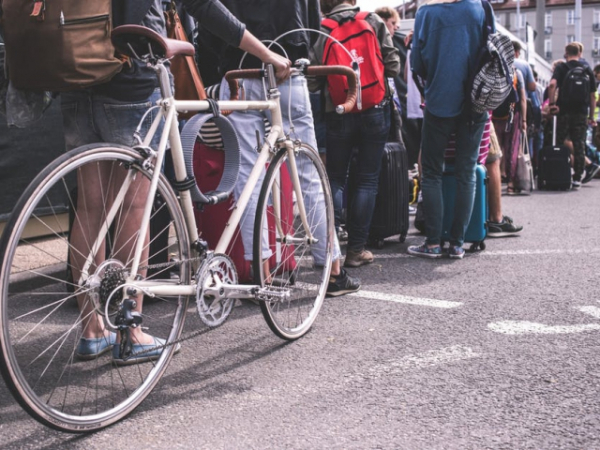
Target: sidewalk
[[43, 257]]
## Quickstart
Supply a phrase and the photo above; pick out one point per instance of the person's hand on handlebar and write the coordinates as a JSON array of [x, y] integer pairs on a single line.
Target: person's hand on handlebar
[[253, 46], [281, 65]]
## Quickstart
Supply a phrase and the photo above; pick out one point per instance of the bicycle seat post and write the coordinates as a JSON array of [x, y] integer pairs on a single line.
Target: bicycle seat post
[[163, 79]]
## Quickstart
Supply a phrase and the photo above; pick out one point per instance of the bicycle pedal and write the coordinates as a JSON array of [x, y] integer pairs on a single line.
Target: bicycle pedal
[[273, 293]]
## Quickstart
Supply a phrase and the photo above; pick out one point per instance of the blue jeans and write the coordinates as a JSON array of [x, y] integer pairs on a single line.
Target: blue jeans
[[90, 118], [436, 132], [367, 131], [294, 99]]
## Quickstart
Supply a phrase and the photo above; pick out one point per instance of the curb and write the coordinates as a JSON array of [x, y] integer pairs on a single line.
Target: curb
[[24, 281]]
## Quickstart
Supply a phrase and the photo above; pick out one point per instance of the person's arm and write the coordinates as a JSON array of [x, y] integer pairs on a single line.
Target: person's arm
[[522, 100], [217, 19], [592, 112], [389, 53], [552, 97], [253, 46], [416, 62], [529, 80]]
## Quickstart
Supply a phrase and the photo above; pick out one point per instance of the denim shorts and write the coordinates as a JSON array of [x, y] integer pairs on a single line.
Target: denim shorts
[[90, 118]]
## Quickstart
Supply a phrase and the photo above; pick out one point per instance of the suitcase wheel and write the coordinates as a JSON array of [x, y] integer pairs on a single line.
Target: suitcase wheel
[[477, 246], [378, 243], [402, 238]]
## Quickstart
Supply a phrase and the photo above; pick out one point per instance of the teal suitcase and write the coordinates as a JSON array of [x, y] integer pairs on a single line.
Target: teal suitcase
[[478, 225]]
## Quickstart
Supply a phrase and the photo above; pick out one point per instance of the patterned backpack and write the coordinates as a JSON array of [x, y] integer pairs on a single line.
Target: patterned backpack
[[491, 83]]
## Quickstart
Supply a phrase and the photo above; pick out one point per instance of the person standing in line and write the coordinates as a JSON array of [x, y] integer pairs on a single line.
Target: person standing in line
[[530, 89], [447, 37], [574, 107], [408, 93], [367, 130], [110, 112], [268, 20]]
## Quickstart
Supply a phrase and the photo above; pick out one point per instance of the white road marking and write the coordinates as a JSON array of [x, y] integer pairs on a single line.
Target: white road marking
[[487, 253], [406, 300], [591, 310], [522, 327], [427, 359]]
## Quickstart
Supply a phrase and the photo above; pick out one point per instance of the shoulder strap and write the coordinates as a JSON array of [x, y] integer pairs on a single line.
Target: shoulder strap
[[488, 25], [330, 24]]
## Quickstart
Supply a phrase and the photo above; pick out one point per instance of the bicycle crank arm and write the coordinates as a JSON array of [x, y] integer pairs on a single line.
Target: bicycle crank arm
[[229, 291]]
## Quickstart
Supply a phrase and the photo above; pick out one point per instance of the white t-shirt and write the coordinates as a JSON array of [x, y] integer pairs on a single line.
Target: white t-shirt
[[413, 96]]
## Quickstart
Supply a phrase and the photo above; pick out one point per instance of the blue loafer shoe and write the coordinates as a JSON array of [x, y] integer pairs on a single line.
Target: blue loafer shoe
[[93, 347], [141, 353]]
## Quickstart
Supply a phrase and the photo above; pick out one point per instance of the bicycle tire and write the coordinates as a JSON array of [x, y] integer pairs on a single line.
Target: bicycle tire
[[295, 269], [39, 320]]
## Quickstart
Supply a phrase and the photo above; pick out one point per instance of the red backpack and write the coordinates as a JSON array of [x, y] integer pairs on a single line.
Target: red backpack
[[359, 38]]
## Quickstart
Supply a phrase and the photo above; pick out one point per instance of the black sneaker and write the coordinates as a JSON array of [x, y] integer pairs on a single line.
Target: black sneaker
[[590, 172], [342, 284], [505, 228]]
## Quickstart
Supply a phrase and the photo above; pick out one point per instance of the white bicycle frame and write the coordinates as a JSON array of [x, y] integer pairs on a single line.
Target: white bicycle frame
[[170, 134]]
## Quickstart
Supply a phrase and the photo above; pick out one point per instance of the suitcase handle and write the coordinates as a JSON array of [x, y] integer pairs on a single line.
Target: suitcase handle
[[554, 131]]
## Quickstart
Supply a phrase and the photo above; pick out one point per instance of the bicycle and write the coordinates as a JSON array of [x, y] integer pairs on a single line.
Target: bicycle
[[40, 326]]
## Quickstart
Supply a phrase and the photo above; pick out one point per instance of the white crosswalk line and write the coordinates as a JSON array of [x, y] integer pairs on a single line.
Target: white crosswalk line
[[406, 300], [522, 327], [591, 310], [426, 359]]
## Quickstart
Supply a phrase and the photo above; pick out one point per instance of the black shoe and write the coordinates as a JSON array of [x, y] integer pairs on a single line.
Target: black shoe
[[504, 228], [590, 172], [342, 284]]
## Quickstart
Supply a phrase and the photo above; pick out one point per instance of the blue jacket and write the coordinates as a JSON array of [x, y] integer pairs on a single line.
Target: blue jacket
[[447, 37]]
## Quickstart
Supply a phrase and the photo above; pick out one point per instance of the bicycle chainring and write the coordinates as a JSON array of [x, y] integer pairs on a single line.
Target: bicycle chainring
[[214, 272]]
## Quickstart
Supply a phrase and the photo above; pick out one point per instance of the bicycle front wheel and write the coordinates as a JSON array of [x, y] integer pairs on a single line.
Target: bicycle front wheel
[[45, 300], [295, 277]]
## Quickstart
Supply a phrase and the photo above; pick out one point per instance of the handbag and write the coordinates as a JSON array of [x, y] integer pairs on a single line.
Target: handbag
[[188, 82], [524, 181]]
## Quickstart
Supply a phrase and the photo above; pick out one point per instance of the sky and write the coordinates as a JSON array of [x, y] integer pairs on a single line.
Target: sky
[[371, 5]]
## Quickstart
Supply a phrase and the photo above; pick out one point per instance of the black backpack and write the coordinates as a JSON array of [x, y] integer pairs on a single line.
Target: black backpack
[[575, 88]]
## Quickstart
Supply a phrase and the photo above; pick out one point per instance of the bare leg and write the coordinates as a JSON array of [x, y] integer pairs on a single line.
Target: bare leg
[[97, 184], [495, 191]]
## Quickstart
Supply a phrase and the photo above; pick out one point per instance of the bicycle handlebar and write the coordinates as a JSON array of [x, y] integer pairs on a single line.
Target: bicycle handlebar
[[318, 71]]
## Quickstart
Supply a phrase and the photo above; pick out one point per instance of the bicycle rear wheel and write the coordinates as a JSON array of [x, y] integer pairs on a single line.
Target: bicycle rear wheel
[[41, 323], [298, 271]]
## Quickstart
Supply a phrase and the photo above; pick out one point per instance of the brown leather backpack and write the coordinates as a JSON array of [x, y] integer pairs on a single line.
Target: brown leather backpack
[[58, 45]]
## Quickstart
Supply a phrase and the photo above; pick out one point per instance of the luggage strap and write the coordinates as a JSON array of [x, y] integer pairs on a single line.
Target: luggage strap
[[231, 168]]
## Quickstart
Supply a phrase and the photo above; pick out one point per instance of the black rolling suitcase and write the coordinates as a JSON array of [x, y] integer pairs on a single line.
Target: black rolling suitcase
[[554, 169], [390, 216]]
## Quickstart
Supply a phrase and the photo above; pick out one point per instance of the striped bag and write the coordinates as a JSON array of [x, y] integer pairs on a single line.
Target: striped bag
[[492, 81], [209, 133]]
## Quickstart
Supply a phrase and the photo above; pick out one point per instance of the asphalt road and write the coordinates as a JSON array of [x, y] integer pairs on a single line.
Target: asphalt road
[[497, 351]]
